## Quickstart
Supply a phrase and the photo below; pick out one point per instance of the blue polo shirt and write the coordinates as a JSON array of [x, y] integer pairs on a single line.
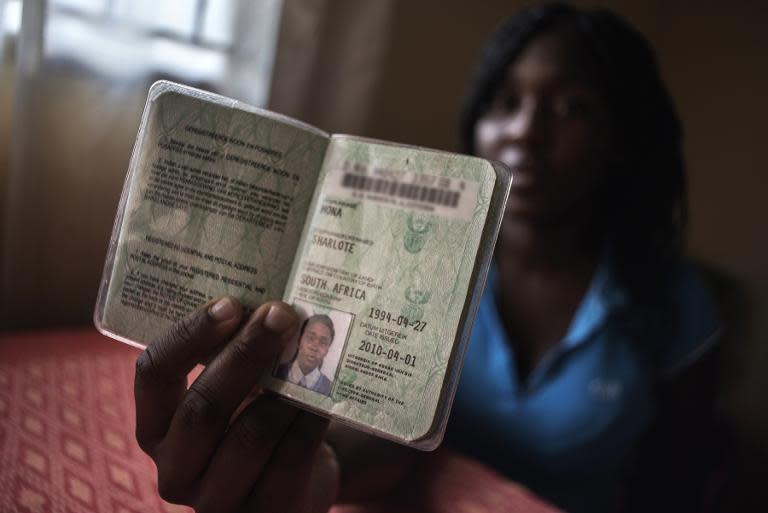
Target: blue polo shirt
[[567, 430]]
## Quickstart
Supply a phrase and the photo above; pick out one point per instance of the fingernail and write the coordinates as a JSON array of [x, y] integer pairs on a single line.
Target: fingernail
[[222, 310], [278, 320]]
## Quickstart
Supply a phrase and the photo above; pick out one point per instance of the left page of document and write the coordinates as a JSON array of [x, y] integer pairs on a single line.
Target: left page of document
[[214, 203]]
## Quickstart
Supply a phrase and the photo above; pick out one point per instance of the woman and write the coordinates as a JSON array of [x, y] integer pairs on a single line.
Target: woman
[[589, 314], [589, 330]]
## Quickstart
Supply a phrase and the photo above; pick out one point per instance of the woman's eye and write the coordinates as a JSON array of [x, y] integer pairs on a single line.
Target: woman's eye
[[505, 103], [511, 103]]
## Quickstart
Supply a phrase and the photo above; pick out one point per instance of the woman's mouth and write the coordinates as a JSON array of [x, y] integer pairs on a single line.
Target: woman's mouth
[[524, 176]]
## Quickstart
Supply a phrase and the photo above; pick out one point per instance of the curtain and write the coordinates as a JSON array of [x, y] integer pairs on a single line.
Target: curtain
[[74, 79], [74, 82]]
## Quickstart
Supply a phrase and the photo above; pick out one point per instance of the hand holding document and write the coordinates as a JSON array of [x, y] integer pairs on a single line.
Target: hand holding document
[[217, 447], [382, 250]]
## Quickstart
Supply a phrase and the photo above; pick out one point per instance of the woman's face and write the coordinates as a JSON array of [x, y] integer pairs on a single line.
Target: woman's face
[[549, 123]]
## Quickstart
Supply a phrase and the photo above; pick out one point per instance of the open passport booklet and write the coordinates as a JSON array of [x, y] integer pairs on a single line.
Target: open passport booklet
[[383, 248]]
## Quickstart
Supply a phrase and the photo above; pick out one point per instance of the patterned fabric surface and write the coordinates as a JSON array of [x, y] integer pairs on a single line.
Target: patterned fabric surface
[[67, 427], [67, 440], [447, 482]]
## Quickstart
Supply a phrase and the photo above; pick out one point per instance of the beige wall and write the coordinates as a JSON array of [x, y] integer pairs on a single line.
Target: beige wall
[[61, 196], [714, 57]]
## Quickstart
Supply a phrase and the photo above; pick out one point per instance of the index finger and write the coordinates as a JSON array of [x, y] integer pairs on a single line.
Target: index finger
[[161, 370]]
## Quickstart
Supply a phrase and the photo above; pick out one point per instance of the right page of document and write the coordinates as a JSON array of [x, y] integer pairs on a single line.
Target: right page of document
[[385, 263]]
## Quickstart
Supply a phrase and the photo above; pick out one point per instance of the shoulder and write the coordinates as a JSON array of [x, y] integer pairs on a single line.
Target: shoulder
[[690, 325]]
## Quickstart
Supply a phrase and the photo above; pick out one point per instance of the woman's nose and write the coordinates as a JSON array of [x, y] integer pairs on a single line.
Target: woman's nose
[[523, 124]]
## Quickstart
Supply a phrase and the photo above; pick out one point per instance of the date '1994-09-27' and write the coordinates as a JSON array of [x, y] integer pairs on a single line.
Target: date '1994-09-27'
[[400, 320]]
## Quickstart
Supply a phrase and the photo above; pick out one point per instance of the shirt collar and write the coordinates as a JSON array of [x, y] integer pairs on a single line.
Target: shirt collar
[[605, 297], [295, 375]]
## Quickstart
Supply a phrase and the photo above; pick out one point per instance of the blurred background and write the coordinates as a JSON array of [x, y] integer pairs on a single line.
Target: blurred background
[[74, 76]]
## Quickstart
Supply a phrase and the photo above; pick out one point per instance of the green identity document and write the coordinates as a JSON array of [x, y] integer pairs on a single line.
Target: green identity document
[[382, 248]]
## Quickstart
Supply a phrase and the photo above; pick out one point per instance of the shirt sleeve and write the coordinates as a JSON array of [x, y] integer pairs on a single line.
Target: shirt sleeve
[[694, 323]]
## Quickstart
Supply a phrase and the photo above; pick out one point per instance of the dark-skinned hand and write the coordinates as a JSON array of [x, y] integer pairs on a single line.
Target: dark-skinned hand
[[218, 446]]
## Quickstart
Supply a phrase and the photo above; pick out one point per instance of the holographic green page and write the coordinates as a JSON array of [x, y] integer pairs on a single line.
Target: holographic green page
[[388, 255]]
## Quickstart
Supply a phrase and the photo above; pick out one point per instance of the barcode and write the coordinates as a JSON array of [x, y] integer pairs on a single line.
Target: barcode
[[410, 191]]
